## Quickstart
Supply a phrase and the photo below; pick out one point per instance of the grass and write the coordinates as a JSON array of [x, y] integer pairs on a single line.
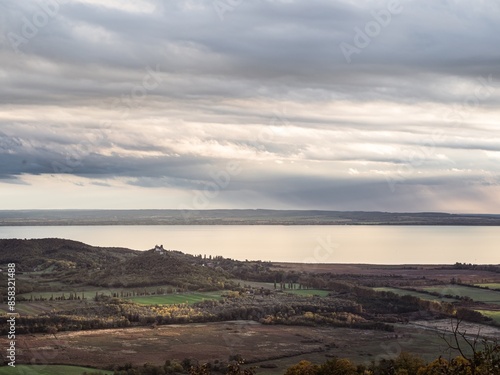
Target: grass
[[48, 370], [479, 295], [170, 299], [39, 307], [89, 292], [270, 286], [308, 292], [255, 284], [490, 285], [426, 344], [495, 315], [424, 296], [191, 298], [278, 344]]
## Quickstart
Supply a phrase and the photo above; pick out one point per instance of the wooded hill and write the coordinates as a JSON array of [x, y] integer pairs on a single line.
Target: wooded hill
[[72, 262], [169, 267], [39, 254]]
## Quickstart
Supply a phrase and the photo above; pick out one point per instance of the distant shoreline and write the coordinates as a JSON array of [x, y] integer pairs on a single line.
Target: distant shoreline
[[238, 217]]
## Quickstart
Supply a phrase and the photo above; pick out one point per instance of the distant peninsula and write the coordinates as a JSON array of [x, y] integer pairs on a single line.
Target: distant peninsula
[[238, 217]]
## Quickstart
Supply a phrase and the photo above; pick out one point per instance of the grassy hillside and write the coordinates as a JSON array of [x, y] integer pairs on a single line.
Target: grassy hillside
[[478, 295], [50, 265], [170, 299], [493, 314], [151, 268], [404, 292], [40, 254]]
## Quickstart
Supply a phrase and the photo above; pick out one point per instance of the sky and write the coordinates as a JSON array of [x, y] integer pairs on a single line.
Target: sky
[[285, 104]]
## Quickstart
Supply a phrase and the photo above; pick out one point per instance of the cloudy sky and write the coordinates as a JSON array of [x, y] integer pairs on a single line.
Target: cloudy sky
[[317, 104]]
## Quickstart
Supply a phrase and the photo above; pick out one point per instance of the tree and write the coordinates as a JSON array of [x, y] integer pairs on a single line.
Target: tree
[[408, 364], [337, 366], [303, 368], [52, 330], [484, 357]]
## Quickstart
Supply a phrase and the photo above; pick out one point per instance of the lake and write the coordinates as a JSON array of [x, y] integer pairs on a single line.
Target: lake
[[302, 243]]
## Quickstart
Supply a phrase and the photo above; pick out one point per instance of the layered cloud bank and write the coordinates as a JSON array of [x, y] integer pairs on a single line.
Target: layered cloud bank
[[379, 105]]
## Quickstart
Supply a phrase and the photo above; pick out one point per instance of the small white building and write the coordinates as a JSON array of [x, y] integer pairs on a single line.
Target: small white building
[[159, 249]]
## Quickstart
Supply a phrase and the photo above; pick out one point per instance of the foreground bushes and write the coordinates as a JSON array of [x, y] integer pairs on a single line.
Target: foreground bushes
[[483, 362]]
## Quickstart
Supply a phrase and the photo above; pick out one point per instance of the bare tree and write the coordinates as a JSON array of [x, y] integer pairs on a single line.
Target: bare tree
[[481, 356]]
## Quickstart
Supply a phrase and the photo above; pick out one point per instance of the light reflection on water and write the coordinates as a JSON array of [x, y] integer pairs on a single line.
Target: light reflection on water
[[329, 244]]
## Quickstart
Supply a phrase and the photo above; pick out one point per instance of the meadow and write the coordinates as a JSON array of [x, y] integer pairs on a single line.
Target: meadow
[[296, 291], [477, 294], [490, 285], [170, 299], [404, 292], [493, 314], [308, 292], [190, 298], [259, 344], [87, 291]]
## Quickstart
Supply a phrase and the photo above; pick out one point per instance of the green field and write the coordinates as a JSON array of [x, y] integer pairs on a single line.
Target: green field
[[90, 292], [495, 315], [48, 370], [424, 296], [40, 307], [254, 284], [170, 299], [270, 286], [490, 285], [479, 295], [308, 292]]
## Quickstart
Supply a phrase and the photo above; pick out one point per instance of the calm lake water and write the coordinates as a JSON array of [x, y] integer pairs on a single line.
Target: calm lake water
[[325, 244]]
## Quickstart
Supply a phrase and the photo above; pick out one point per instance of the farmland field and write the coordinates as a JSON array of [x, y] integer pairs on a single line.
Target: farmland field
[[255, 284], [490, 285], [424, 296], [495, 315], [301, 292], [48, 370], [308, 292], [90, 292], [40, 307], [170, 299], [278, 344], [479, 295], [447, 325]]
